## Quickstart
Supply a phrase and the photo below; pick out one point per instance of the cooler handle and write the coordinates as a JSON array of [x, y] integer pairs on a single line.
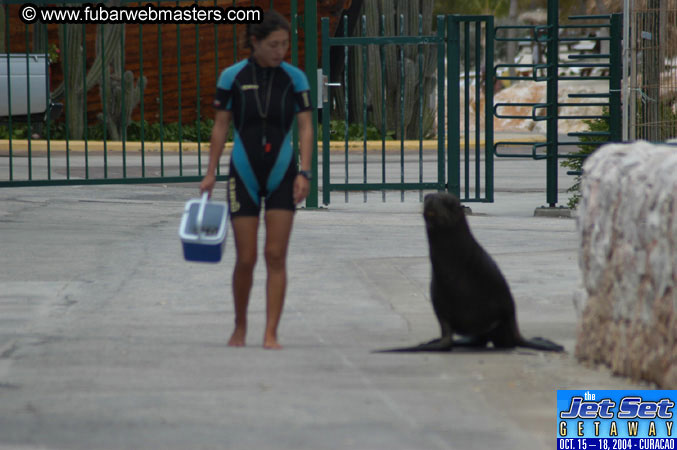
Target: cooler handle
[[201, 214]]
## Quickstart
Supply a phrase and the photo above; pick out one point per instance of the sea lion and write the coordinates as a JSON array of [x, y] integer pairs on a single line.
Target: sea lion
[[470, 295]]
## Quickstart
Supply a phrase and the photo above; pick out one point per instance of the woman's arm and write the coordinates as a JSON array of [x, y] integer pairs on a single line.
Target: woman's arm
[[302, 184], [218, 141]]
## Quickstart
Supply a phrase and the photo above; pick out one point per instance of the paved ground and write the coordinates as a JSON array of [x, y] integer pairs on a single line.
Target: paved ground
[[109, 340]]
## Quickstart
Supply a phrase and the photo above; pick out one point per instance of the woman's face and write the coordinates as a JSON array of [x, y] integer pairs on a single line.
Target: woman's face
[[270, 51]]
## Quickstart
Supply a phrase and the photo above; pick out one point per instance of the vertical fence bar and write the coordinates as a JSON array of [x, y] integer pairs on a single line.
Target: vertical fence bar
[[216, 77], [325, 115], [615, 76], [295, 62], [28, 111], [466, 81], [402, 74], [420, 106], [104, 69], [440, 98], [552, 95], [234, 40], [311, 38], [478, 82], [9, 96], [84, 99], [346, 98], [123, 119], [365, 49], [198, 106], [489, 113], [142, 106], [161, 95], [453, 106], [48, 121], [180, 99], [382, 32], [625, 70], [66, 76]]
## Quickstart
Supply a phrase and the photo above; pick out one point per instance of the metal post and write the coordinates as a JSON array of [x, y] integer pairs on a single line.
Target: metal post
[[441, 77], [294, 14], [489, 112], [553, 63], [453, 107], [615, 75], [310, 32], [627, 46], [325, 114]]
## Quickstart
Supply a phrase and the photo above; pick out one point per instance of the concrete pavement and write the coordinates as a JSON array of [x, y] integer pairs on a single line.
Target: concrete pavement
[[110, 340]]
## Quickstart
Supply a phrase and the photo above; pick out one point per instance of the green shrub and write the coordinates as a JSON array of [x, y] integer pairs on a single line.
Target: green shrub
[[337, 132], [667, 129], [576, 162], [169, 132]]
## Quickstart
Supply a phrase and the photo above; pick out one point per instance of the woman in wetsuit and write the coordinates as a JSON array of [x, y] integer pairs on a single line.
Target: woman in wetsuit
[[261, 96]]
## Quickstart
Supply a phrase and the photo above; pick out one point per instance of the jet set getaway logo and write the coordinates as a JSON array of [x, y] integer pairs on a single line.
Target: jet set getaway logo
[[615, 420]]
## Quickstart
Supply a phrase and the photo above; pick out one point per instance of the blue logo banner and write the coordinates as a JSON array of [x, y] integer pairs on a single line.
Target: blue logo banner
[[606, 419]]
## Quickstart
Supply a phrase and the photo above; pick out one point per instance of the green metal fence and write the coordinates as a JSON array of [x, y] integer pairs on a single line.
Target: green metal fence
[[462, 51], [36, 150]]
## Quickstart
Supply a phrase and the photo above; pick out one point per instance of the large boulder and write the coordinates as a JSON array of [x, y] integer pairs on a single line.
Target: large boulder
[[628, 257]]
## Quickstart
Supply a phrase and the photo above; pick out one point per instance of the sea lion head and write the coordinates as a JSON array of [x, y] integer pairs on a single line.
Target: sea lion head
[[442, 210]]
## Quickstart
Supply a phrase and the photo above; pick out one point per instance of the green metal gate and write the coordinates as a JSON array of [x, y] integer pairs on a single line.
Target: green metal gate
[[469, 141], [603, 63], [462, 165]]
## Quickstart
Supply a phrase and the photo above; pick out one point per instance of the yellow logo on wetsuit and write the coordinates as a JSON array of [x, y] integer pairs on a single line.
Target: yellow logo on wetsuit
[[247, 87], [234, 204]]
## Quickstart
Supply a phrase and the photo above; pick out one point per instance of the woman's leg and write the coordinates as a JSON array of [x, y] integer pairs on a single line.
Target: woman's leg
[[244, 232], [278, 230]]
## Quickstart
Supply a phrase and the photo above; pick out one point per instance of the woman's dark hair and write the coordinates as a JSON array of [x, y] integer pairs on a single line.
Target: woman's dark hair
[[272, 21]]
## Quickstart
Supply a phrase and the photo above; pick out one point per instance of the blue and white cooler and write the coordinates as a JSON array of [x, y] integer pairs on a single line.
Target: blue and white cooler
[[204, 229]]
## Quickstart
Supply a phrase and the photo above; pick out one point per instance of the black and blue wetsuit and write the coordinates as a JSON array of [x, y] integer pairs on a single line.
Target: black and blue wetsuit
[[263, 101]]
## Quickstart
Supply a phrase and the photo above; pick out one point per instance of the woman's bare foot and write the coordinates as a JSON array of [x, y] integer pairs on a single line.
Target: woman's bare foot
[[238, 337], [270, 343]]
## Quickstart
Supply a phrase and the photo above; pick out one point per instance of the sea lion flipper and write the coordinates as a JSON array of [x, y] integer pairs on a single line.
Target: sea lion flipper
[[540, 343], [443, 344]]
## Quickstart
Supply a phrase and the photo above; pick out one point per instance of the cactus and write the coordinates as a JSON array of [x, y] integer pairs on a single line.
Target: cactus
[[119, 95], [122, 96], [76, 85], [413, 84], [109, 54]]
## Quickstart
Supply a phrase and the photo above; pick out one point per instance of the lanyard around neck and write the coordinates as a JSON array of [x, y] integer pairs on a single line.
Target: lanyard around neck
[[263, 113]]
